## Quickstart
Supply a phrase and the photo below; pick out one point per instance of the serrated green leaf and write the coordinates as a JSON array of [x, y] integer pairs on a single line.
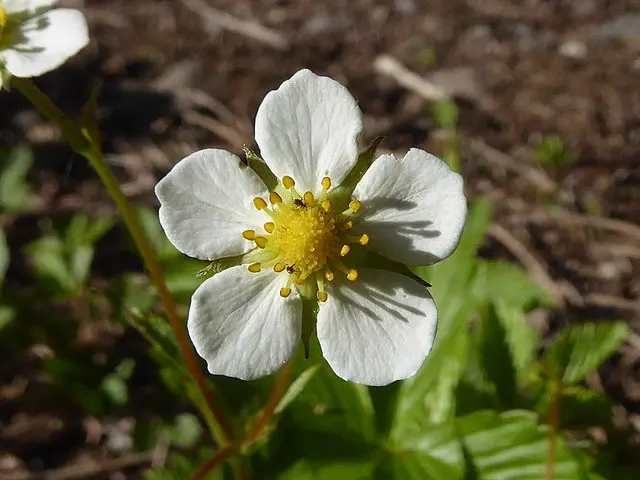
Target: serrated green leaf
[[14, 189], [581, 349], [512, 446], [432, 454], [509, 283]]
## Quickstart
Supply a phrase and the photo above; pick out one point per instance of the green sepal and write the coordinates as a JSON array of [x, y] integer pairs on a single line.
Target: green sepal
[[219, 265], [375, 260], [341, 195], [308, 293], [258, 165]]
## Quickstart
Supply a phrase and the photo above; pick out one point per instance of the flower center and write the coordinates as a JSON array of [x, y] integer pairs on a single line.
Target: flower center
[[305, 237]]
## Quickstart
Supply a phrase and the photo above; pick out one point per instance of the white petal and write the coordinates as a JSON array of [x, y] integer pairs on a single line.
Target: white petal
[[15, 6], [206, 202], [45, 42], [241, 326], [308, 129], [378, 329], [413, 209]]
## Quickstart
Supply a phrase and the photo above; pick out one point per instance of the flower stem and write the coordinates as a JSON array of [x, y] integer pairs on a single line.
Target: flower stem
[[553, 423], [84, 145], [254, 434]]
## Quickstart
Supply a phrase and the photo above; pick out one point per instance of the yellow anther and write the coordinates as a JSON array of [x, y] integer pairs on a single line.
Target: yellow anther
[[261, 241], [354, 205], [274, 198], [308, 198], [249, 235], [326, 205], [285, 292], [279, 267], [346, 225], [269, 227], [326, 183], [288, 182], [328, 275], [352, 275], [345, 250], [259, 203], [255, 267], [364, 239], [322, 296]]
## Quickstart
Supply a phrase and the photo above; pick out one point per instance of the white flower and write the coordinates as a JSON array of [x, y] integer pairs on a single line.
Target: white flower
[[35, 38], [374, 326]]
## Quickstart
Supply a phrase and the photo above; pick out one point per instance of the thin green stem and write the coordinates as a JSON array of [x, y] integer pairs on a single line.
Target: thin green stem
[[553, 423], [84, 146]]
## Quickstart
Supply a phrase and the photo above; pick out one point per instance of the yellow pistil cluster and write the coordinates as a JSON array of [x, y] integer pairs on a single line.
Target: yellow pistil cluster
[[305, 238]]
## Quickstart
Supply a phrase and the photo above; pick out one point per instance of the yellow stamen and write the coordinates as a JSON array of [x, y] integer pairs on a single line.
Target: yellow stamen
[[322, 296], [352, 275], [345, 250], [355, 205], [326, 205], [288, 182], [249, 235], [308, 198], [326, 183], [255, 267], [364, 239], [259, 203], [346, 225], [269, 227], [261, 241], [329, 275], [274, 198], [279, 267], [285, 292]]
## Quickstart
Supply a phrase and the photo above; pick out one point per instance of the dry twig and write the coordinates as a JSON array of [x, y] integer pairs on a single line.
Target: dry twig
[[217, 18], [389, 66], [83, 472]]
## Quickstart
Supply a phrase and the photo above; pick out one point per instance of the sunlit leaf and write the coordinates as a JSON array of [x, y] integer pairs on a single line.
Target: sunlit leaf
[[14, 189], [512, 446], [581, 349]]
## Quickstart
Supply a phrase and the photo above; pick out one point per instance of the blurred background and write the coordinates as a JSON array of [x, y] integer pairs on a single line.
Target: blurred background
[[537, 102]]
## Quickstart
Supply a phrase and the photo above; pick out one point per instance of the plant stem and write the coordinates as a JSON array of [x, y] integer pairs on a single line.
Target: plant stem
[[74, 134], [219, 457], [274, 399], [553, 423]]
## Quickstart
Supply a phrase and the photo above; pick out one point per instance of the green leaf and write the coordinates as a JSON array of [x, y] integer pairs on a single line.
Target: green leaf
[[115, 387], [429, 397], [328, 470], [509, 283], [14, 189], [512, 446], [581, 349], [5, 256], [296, 388], [7, 315], [185, 431], [433, 454], [497, 362]]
